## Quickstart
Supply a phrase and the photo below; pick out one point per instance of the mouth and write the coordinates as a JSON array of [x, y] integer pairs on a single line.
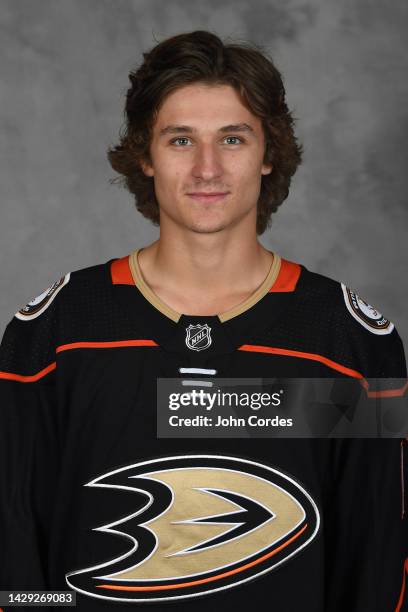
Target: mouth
[[208, 197]]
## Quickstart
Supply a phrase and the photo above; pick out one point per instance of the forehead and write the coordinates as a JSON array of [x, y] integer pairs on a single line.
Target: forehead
[[198, 104]]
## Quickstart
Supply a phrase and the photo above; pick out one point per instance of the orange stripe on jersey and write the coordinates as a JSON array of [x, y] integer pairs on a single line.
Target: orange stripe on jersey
[[385, 392], [29, 378], [287, 278], [113, 344], [401, 597], [301, 355], [120, 272], [210, 578]]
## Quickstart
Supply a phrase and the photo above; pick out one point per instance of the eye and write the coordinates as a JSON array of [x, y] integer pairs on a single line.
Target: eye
[[234, 137], [175, 140]]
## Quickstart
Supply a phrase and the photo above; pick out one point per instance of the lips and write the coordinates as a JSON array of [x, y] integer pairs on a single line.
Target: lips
[[208, 197]]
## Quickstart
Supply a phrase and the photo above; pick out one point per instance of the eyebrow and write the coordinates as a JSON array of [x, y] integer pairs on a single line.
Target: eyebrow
[[186, 129]]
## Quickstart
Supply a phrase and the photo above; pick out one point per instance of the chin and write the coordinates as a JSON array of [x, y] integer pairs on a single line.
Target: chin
[[207, 228], [209, 231]]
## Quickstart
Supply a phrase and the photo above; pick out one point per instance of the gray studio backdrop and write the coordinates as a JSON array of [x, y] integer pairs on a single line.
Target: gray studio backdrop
[[64, 67]]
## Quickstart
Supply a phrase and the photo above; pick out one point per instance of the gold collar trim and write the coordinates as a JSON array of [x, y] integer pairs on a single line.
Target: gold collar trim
[[154, 299]]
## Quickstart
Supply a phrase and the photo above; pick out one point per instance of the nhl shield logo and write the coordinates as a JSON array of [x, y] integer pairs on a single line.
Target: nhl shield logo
[[198, 337]]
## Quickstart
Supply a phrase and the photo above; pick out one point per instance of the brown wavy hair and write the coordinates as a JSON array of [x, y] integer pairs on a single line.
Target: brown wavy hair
[[202, 57]]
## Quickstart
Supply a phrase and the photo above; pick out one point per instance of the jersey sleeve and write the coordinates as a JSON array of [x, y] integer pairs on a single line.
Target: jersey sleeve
[[366, 526], [391, 357], [28, 445]]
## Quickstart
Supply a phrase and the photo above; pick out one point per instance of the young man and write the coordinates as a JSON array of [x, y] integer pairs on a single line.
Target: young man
[[91, 498]]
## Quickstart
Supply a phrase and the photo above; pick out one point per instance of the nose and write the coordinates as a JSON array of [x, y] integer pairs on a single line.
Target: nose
[[207, 164]]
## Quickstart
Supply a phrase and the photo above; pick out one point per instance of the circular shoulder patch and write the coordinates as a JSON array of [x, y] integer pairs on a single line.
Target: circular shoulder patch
[[365, 314], [37, 305]]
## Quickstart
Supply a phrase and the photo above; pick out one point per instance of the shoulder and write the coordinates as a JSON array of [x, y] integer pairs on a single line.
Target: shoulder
[[78, 286], [342, 304], [30, 338], [354, 326]]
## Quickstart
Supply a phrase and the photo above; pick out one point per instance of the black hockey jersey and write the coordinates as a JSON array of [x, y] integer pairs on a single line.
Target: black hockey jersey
[[93, 501]]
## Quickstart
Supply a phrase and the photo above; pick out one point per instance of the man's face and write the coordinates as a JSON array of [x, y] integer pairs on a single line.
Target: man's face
[[205, 140]]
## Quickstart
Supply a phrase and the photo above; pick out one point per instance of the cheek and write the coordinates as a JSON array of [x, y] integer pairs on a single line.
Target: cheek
[[248, 173], [171, 167], [248, 165], [169, 180]]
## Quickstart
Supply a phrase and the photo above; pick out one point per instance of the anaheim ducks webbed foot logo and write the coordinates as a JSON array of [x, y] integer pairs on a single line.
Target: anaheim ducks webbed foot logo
[[208, 523]]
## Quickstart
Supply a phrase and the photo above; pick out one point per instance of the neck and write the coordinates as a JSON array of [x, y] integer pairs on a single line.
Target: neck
[[210, 267]]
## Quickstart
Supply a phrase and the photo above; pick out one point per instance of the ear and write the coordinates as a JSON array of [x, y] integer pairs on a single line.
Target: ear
[[267, 168], [147, 168]]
